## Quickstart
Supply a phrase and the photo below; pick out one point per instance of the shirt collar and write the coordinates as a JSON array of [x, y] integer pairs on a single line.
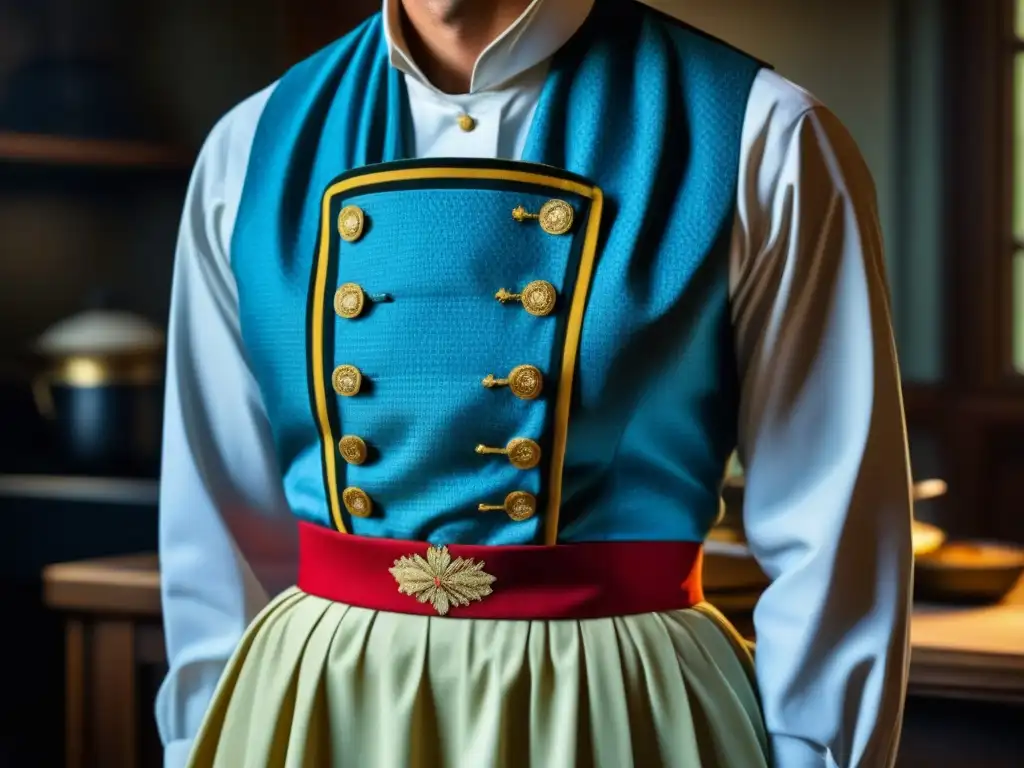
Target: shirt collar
[[543, 28]]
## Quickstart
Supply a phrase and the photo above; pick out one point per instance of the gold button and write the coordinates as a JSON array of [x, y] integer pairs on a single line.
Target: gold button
[[556, 217], [347, 380], [353, 449], [539, 298], [525, 381], [519, 505], [466, 122], [349, 301], [357, 502], [522, 452], [350, 223]]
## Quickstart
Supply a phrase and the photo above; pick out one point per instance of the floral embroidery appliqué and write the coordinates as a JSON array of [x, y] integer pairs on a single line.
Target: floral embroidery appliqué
[[440, 580]]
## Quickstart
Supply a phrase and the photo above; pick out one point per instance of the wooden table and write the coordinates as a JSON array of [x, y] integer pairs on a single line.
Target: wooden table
[[969, 653], [113, 626]]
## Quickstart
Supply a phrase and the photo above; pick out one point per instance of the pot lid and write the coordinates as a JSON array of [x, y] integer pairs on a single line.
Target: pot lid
[[100, 332]]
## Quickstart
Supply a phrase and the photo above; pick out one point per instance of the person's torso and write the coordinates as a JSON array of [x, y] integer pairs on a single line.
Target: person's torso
[[422, 350]]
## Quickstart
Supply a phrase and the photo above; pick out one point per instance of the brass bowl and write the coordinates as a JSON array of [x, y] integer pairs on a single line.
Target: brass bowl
[[974, 572]]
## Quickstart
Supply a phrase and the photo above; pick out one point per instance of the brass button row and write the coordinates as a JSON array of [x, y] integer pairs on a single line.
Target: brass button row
[[526, 381], [555, 216]]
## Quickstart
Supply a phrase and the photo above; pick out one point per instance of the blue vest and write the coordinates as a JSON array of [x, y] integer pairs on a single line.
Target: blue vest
[[498, 352]]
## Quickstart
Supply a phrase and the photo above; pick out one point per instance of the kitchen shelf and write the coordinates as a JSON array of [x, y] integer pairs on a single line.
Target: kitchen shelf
[[80, 489], [42, 149]]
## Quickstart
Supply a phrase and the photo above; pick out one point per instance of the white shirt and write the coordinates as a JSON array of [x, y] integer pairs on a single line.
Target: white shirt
[[822, 438]]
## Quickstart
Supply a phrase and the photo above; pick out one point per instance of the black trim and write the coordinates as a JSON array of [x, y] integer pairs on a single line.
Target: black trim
[[499, 185], [509, 166]]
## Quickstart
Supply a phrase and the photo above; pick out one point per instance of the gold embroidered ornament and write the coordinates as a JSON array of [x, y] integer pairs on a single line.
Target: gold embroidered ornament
[[441, 581]]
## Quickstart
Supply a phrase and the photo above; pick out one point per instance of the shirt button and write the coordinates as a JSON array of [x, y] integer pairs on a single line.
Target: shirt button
[[347, 380], [353, 449], [357, 502], [466, 122], [351, 221], [349, 301]]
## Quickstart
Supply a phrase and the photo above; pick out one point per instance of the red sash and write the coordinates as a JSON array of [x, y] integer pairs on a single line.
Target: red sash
[[566, 581]]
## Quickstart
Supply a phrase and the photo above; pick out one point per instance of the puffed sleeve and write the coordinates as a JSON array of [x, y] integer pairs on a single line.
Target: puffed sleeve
[[822, 439], [227, 539]]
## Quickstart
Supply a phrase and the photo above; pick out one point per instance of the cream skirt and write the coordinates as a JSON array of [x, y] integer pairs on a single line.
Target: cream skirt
[[317, 684]]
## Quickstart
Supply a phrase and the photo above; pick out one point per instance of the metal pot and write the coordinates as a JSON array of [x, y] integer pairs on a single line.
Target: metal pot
[[100, 385]]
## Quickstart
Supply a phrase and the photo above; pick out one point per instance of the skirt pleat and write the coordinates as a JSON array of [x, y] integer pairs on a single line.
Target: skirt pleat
[[316, 684]]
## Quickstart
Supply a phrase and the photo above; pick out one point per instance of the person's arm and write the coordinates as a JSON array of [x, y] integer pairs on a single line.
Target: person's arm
[[226, 536], [827, 506]]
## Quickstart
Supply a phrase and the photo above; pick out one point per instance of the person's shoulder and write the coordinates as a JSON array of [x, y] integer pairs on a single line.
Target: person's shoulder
[[224, 154], [237, 127], [783, 100], [780, 108]]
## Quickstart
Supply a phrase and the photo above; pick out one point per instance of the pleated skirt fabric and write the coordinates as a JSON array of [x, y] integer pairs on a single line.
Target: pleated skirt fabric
[[319, 684]]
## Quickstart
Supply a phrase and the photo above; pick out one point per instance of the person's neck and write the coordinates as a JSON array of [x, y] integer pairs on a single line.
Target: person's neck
[[446, 37]]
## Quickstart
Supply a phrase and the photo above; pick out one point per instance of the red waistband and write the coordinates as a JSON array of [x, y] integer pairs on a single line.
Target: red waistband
[[567, 581]]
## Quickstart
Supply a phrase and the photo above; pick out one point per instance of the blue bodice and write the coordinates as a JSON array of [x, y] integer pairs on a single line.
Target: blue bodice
[[501, 352]]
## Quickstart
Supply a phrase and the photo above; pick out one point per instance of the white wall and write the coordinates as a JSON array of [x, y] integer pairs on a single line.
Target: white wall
[[851, 56]]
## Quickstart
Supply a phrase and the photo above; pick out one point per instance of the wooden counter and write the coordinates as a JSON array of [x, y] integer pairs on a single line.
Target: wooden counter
[[113, 626], [970, 653]]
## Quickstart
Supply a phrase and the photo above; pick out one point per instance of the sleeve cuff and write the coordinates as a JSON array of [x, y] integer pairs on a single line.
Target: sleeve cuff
[[792, 752], [176, 753]]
